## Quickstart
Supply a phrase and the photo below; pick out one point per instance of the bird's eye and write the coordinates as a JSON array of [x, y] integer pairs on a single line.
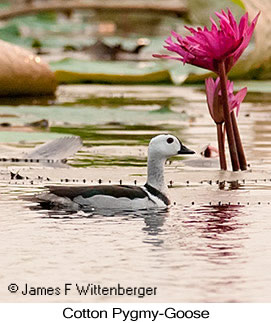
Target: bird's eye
[[170, 140]]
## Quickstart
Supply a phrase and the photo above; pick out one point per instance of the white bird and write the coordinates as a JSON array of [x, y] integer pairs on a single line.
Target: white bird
[[153, 194]]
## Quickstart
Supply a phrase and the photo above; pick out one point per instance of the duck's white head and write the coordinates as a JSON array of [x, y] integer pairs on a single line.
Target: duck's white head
[[165, 146]]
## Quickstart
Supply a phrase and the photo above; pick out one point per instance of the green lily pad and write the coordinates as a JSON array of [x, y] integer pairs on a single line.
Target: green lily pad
[[240, 3], [71, 70], [254, 86], [83, 115], [20, 136], [9, 30]]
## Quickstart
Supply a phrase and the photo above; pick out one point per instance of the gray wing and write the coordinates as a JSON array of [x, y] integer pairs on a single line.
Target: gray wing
[[57, 149], [131, 192]]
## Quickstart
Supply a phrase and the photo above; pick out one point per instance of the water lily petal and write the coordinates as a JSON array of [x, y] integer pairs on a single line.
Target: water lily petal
[[239, 96], [205, 48]]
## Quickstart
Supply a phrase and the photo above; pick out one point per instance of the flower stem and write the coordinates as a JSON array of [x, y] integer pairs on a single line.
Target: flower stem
[[239, 146], [221, 146], [227, 117]]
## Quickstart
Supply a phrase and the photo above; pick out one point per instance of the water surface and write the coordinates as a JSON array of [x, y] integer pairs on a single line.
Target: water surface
[[213, 245]]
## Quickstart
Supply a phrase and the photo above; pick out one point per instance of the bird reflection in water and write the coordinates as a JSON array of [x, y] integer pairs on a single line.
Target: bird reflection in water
[[154, 222], [211, 227], [154, 219]]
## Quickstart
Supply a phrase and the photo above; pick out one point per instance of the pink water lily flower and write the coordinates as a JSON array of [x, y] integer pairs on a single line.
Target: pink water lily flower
[[206, 48], [214, 98]]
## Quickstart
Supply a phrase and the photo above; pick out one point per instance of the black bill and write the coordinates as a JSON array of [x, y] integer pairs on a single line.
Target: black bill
[[184, 150]]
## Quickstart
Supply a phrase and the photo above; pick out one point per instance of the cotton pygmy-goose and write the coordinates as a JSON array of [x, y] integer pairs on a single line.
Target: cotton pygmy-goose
[[153, 194]]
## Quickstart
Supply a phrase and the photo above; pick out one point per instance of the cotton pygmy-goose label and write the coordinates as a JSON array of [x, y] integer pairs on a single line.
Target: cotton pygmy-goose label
[[124, 314]]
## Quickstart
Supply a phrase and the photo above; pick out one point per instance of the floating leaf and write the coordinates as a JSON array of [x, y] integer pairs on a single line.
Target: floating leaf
[[22, 137], [71, 70], [257, 63], [254, 86], [201, 10], [10, 32], [239, 3]]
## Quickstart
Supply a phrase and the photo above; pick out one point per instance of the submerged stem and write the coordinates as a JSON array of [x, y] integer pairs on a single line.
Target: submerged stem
[[227, 117], [221, 146], [239, 146]]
